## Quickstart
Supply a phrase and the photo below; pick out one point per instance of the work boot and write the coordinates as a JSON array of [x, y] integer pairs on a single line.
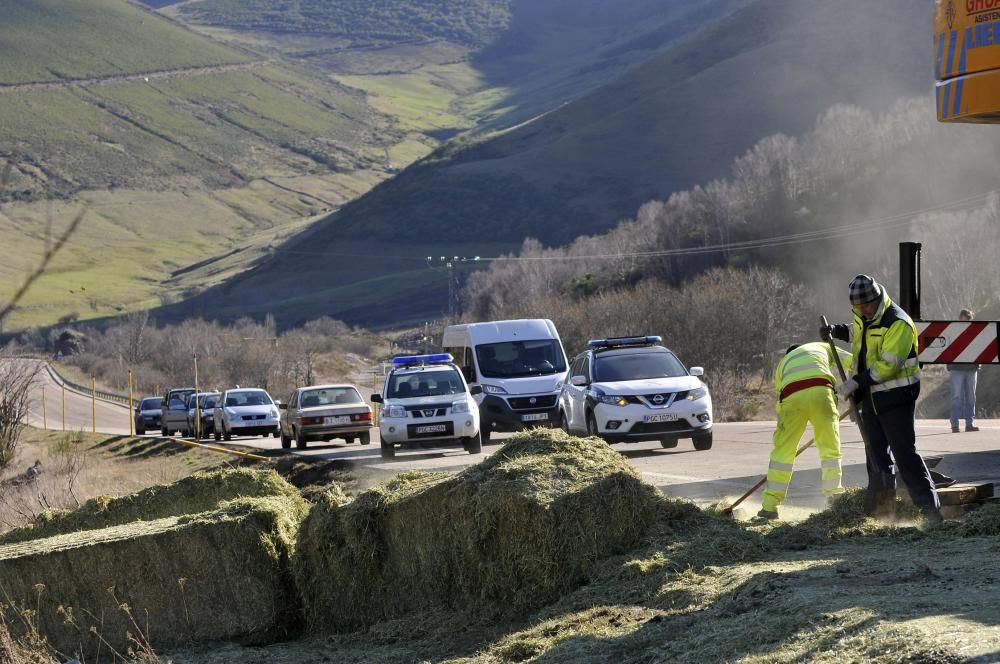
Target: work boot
[[768, 515], [971, 427], [940, 479], [954, 428]]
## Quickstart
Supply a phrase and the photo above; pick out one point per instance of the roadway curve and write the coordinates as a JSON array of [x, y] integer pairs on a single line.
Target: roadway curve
[[111, 417], [737, 460]]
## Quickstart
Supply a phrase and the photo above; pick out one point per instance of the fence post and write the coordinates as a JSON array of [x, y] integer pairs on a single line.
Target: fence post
[[63, 406], [93, 403], [131, 418], [45, 419]]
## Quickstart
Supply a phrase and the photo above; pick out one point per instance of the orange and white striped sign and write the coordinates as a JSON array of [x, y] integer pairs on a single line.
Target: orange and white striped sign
[[958, 342]]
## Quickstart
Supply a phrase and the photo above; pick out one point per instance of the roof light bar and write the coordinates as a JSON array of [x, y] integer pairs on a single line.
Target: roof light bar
[[624, 341], [418, 360]]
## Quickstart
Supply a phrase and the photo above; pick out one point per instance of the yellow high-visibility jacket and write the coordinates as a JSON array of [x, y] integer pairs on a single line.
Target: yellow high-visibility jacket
[[811, 360], [892, 370]]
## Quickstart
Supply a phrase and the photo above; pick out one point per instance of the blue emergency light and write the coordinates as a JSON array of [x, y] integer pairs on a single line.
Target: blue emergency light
[[418, 360], [624, 341]]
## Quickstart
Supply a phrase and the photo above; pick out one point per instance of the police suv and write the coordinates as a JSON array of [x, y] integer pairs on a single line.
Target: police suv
[[426, 398], [631, 389]]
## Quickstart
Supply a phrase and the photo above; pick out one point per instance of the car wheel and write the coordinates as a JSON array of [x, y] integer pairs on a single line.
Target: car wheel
[[702, 441], [139, 431], [300, 440], [592, 426], [668, 443], [563, 422], [163, 432], [485, 432], [349, 440], [286, 441], [226, 434], [388, 450], [365, 438], [475, 444]]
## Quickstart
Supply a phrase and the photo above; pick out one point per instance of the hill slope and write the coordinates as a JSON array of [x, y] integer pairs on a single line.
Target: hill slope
[[673, 122]]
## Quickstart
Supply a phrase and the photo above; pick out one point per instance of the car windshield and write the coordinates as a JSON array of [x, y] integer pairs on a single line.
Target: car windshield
[[248, 398], [425, 384], [637, 366], [155, 403], [207, 401], [330, 396], [517, 359]]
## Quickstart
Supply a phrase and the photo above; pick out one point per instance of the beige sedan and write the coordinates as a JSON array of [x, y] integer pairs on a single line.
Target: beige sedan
[[325, 412]]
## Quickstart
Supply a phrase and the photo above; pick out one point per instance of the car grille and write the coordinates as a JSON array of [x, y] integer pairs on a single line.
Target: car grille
[[524, 403], [449, 430], [664, 398], [660, 427], [248, 418], [430, 410]]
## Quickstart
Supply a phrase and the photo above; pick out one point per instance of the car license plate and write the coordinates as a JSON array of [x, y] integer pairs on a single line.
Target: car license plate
[[432, 428], [339, 419], [661, 417], [534, 417]]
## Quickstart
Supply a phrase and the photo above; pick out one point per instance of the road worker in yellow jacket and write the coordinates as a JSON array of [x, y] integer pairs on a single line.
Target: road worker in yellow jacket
[[804, 380], [885, 386]]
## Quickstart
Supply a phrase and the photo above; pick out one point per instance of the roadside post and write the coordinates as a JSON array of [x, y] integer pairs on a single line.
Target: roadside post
[[63, 406], [93, 403], [374, 391], [131, 405], [197, 401], [45, 419]]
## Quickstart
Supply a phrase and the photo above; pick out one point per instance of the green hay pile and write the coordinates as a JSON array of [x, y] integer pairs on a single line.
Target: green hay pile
[[194, 494], [508, 535], [221, 575]]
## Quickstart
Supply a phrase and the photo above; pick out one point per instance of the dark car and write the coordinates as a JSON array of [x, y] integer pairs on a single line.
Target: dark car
[[147, 414]]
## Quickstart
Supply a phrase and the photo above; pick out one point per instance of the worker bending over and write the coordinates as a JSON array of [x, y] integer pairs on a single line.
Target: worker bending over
[[804, 381]]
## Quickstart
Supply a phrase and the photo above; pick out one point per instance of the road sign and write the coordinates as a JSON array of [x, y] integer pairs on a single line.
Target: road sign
[[958, 342]]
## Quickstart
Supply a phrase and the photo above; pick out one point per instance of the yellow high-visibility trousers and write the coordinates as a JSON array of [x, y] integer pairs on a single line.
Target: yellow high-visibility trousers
[[816, 406]]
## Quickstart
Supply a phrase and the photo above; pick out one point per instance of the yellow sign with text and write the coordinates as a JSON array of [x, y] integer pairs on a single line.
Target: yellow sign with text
[[967, 60]]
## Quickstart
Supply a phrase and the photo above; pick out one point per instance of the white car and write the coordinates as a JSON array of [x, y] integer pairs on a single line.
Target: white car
[[426, 398], [632, 389], [245, 412]]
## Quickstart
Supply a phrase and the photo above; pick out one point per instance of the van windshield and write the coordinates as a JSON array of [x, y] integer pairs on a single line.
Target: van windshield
[[518, 359]]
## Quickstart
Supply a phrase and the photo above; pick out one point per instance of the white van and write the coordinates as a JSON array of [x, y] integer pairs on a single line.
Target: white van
[[520, 366]]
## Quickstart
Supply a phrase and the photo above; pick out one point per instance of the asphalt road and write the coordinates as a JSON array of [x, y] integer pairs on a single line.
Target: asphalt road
[[737, 460]]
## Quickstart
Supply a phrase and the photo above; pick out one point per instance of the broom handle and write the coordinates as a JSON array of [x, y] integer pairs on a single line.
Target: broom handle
[[854, 411]]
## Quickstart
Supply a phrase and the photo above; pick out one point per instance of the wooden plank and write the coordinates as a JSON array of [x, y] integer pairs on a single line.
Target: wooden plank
[[962, 494]]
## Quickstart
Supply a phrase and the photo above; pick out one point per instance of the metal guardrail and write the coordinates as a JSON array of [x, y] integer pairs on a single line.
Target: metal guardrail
[[121, 399]]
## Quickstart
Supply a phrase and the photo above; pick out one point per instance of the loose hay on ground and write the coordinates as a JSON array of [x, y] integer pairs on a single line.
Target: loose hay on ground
[[198, 493], [214, 576], [501, 538]]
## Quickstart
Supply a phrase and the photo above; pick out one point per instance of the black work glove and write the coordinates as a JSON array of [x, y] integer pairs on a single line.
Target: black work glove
[[840, 331]]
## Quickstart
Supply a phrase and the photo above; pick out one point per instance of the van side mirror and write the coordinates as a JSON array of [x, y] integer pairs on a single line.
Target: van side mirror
[[475, 389], [579, 381], [697, 371], [376, 398], [282, 406]]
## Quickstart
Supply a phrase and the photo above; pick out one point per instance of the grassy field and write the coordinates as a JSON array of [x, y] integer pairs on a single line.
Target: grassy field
[[141, 249], [49, 40]]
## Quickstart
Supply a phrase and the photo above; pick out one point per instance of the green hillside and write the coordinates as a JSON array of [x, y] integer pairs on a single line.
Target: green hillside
[[472, 22], [674, 122], [52, 40]]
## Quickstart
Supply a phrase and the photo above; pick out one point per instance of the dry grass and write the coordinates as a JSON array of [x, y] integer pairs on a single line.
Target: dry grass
[[78, 466]]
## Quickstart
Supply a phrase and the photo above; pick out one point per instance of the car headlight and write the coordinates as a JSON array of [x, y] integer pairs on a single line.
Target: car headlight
[[613, 400], [493, 389], [274, 413], [697, 393], [394, 411], [230, 412], [461, 407]]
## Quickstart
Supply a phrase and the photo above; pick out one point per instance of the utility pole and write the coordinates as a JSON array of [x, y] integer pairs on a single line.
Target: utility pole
[[454, 292]]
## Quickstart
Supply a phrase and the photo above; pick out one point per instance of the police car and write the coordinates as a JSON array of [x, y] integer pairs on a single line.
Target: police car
[[631, 389], [426, 398]]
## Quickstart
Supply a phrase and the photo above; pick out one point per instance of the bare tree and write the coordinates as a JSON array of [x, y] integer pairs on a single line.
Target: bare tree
[[17, 378]]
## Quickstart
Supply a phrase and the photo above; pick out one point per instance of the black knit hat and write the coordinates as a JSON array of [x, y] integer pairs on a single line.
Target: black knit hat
[[864, 289]]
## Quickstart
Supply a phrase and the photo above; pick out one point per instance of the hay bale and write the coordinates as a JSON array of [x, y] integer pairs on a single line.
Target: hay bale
[[982, 522], [219, 575], [506, 536], [197, 493]]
